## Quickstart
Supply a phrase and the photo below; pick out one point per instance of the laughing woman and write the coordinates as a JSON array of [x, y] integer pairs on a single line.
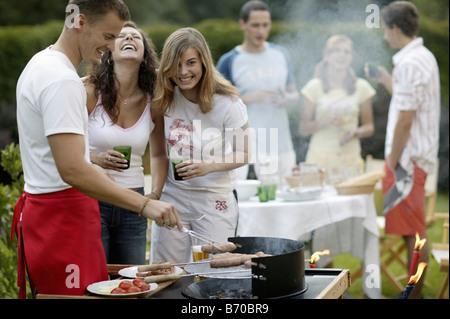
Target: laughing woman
[[119, 93], [201, 109]]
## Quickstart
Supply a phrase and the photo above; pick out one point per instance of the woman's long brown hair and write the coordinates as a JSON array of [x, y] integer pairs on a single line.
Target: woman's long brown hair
[[104, 79]]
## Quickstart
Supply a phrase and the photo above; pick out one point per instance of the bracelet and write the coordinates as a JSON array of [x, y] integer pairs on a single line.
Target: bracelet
[[145, 204], [156, 195], [358, 133]]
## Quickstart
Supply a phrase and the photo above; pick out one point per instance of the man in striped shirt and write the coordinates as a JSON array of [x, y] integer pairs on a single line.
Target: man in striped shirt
[[412, 135]]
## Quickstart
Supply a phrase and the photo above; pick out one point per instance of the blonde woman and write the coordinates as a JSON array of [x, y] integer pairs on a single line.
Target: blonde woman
[[201, 108], [337, 109]]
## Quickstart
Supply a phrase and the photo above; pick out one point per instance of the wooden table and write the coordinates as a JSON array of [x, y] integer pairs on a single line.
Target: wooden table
[[321, 284], [113, 270]]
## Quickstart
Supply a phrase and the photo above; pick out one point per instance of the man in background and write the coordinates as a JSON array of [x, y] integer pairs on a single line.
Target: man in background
[[262, 72], [412, 136]]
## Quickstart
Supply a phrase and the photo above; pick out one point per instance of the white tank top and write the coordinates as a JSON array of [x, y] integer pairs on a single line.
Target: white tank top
[[104, 135]]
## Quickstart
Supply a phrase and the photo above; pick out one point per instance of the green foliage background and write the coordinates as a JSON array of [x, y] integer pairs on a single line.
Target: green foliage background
[[12, 164], [305, 40]]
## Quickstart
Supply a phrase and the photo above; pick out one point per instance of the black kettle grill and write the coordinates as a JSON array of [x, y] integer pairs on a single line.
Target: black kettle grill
[[281, 275]]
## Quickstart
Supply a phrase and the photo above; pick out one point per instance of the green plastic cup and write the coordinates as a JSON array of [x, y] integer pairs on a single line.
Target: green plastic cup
[[175, 161], [262, 194], [272, 191], [126, 151], [267, 192]]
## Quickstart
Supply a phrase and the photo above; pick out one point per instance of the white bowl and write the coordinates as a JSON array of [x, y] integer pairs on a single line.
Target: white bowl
[[247, 188]]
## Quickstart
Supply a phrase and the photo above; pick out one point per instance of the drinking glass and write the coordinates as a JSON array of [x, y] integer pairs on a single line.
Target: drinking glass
[[126, 151], [196, 246]]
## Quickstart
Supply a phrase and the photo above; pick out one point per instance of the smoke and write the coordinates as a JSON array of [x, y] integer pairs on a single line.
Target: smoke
[[311, 23], [326, 11], [314, 21]]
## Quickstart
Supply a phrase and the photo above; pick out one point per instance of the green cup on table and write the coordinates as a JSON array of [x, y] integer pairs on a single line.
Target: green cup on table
[[267, 192], [126, 151]]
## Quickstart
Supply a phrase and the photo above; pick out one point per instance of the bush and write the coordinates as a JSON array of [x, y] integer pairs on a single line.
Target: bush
[[18, 45], [222, 35], [11, 162], [159, 33], [305, 41]]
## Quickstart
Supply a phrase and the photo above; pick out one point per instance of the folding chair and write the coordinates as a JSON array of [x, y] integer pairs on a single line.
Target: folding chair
[[439, 251]]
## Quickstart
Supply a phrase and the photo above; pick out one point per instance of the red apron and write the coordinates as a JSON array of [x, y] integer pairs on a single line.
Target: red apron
[[406, 214], [59, 242]]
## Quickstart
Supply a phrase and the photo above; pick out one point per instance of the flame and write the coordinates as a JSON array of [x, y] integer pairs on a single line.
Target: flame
[[415, 278], [316, 256], [419, 243]]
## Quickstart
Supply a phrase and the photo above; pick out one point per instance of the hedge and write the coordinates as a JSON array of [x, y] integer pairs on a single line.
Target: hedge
[[19, 44], [305, 42]]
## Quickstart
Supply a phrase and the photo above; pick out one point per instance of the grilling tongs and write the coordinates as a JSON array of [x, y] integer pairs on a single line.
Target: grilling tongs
[[206, 239]]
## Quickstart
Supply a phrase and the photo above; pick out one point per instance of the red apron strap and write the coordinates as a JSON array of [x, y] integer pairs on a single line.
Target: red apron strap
[[16, 217], [17, 229]]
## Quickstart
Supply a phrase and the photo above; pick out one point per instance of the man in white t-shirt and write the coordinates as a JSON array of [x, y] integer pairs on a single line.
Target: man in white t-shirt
[[262, 72], [57, 220]]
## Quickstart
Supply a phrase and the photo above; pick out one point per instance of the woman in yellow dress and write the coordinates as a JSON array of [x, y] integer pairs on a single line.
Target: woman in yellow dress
[[337, 110]]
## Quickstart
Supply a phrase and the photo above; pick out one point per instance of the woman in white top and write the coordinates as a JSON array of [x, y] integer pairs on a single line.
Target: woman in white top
[[201, 108], [119, 91], [337, 109]]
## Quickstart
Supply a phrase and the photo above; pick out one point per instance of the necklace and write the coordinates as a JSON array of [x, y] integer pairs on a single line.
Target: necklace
[[125, 100]]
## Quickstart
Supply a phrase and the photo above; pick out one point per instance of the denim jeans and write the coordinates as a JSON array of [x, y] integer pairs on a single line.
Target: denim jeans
[[124, 234]]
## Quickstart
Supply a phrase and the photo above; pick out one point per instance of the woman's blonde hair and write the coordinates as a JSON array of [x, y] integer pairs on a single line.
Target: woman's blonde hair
[[321, 68], [212, 82]]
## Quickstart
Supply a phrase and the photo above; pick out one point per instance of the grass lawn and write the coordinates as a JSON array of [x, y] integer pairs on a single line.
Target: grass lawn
[[433, 276]]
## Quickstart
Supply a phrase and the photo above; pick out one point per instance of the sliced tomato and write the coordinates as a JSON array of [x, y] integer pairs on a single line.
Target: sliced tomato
[[145, 287], [118, 291], [125, 285], [138, 282], [133, 289]]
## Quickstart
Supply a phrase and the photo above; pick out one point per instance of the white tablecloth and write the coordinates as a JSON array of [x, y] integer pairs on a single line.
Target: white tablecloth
[[336, 222]]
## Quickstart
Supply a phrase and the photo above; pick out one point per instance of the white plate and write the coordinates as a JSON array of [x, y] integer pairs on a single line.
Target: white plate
[[297, 194], [130, 272], [102, 288]]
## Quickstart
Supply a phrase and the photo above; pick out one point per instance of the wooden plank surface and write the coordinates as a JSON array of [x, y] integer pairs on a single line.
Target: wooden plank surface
[[334, 290], [337, 287], [113, 270]]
